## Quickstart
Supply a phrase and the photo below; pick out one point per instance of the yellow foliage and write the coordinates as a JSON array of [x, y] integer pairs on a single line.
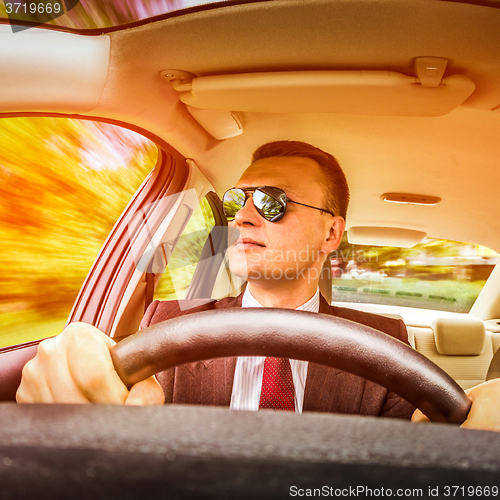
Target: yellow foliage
[[63, 185]]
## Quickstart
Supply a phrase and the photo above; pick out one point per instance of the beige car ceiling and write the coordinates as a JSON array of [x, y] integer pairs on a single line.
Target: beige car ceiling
[[454, 157]]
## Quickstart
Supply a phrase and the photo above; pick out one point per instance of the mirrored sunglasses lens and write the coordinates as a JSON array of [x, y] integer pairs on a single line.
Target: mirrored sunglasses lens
[[269, 207], [233, 202]]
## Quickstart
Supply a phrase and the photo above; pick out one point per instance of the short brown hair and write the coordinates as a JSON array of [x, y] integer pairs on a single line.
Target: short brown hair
[[336, 190]]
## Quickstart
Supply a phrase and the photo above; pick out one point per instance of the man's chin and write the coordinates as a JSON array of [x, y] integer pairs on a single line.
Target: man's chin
[[238, 268], [245, 270], [240, 264]]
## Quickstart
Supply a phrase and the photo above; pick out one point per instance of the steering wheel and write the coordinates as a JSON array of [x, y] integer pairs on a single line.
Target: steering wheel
[[318, 338]]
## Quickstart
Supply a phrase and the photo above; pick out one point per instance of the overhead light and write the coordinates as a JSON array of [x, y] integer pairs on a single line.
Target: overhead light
[[411, 199]]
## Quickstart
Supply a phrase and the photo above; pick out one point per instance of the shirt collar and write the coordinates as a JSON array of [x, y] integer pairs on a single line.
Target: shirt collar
[[312, 305]]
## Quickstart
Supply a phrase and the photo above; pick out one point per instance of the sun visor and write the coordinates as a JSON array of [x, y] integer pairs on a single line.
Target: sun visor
[[384, 236], [51, 71], [384, 93]]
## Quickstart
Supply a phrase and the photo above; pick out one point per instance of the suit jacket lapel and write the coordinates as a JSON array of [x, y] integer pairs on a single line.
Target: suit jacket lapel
[[208, 382], [329, 389], [205, 382]]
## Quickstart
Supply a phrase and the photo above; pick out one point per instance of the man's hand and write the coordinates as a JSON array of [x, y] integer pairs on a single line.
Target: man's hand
[[485, 410], [76, 367]]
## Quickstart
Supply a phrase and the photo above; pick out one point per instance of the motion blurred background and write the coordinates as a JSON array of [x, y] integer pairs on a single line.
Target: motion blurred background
[[65, 182]]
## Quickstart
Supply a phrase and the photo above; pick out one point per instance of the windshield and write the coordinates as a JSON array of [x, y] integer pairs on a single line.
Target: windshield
[[435, 274], [99, 14]]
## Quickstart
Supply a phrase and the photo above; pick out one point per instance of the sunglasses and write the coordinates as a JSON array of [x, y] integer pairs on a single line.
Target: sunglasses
[[270, 202]]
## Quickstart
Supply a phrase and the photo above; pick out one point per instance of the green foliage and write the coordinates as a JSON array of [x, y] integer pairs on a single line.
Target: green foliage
[[63, 185], [175, 282]]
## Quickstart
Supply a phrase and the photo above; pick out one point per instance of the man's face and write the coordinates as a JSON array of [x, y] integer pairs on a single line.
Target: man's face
[[295, 247]]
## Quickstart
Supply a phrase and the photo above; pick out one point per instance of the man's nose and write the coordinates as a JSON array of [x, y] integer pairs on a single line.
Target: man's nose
[[248, 214]]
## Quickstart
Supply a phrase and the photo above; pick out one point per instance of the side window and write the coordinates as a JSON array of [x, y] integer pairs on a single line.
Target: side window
[[178, 275], [63, 185]]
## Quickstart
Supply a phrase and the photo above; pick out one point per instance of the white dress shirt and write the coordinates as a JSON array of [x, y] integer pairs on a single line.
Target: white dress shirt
[[250, 369]]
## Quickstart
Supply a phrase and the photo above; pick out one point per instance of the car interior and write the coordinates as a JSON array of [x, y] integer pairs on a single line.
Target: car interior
[[403, 94]]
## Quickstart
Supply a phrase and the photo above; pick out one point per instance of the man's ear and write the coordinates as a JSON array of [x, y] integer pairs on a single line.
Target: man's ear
[[334, 236]]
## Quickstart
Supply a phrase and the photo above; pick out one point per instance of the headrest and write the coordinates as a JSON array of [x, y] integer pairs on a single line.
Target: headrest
[[459, 336]]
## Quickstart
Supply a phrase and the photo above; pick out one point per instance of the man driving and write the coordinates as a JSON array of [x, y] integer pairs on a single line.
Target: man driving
[[289, 207]]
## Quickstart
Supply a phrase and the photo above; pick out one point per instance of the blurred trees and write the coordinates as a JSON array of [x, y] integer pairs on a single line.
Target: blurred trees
[[423, 258], [434, 274], [63, 185], [175, 282]]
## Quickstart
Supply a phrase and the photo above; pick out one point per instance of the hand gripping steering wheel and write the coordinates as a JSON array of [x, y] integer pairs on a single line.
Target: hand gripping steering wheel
[[318, 338]]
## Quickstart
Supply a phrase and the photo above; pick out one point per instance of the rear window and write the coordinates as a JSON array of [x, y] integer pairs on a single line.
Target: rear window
[[435, 274]]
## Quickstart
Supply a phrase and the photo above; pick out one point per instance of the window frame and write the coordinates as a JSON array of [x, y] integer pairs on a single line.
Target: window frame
[[102, 291]]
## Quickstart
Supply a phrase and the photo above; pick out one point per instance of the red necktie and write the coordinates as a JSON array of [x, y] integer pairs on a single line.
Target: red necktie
[[278, 392]]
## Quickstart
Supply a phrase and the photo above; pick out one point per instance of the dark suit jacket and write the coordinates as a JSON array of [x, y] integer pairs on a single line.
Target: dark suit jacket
[[210, 382]]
